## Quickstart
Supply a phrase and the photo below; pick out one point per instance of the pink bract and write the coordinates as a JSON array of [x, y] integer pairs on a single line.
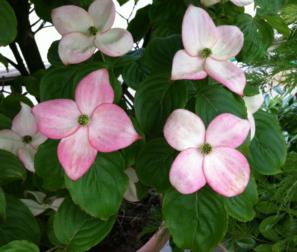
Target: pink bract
[[83, 31], [207, 155], [23, 139], [90, 124], [207, 51]]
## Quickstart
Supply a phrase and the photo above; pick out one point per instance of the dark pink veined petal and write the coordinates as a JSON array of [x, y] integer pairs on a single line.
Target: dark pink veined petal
[[103, 14], [186, 173], [198, 31], [10, 141], [71, 18], [227, 171], [227, 130], [229, 43], [187, 67], [111, 129], [75, 48], [184, 129], [115, 42], [26, 154], [242, 2], [24, 122], [57, 118], [75, 154], [93, 90], [227, 73]]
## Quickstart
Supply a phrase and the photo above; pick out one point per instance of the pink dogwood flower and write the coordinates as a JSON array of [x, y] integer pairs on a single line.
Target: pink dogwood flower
[[239, 3], [207, 51], [83, 31], [207, 156], [89, 124], [23, 139], [253, 104]]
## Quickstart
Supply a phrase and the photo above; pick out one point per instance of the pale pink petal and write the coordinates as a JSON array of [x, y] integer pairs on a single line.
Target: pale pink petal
[[24, 122], [253, 103], [242, 2], [10, 141], [38, 139], [111, 129], [71, 18], [229, 43], [252, 125], [103, 14], [187, 67], [75, 48], [115, 42], [93, 90], [57, 118], [183, 130], [209, 2], [227, 171], [226, 73], [75, 153], [198, 31], [26, 155], [131, 192], [186, 173], [227, 130]]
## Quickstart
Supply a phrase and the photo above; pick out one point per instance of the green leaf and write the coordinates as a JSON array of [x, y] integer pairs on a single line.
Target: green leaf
[[11, 105], [8, 23], [43, 8], [269, 7], [19, 223], [19, 246], [11, 169], [77, 230], [48, 167], [197, 221], [4, 61], [140, 24], [58, 83], [153, 164], [155, 99], [53, 55], [268, 148], [61, 81], [268, 228], [5, 122], [121, 2], [134, 74], [166, 17], [100, 191], [212, 100], [2, 205], [241, 206], [159, 54], [279, 24], [258, 36]]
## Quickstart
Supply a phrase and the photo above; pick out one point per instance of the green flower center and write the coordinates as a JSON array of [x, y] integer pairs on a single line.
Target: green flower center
[[27, 139], [93, 30], [205, 148], [83, 120], [206, 52]]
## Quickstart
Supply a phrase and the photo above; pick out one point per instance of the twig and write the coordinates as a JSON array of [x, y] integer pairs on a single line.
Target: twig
[[21, 66]]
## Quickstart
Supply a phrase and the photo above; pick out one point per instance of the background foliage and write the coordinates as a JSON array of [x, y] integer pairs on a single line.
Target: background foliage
[[263, 218]]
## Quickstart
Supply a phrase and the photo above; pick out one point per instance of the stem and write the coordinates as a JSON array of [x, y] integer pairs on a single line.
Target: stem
[[20, 64], [157, 241]]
